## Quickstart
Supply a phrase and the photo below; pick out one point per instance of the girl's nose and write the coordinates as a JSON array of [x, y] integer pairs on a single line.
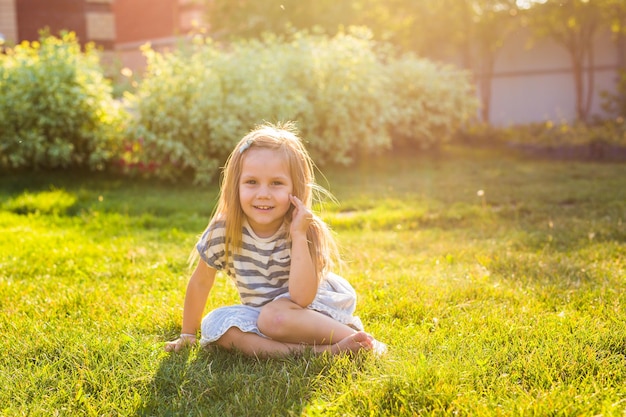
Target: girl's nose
[[264, 192]]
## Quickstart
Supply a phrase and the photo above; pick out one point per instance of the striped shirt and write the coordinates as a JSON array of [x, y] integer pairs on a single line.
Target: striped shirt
[[260, 270]]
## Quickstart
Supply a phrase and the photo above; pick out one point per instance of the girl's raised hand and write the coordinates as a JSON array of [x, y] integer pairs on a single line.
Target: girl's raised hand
[[301, 217]]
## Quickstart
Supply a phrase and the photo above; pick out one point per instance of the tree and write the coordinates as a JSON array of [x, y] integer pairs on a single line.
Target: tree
[[488, 24], [614, 102], [615, 12], [468, 32], [251, 18], [573, 24]]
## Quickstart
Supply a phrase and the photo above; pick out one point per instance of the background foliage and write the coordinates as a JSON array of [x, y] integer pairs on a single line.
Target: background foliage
[[468, 32], [56, 108], [349, 95]]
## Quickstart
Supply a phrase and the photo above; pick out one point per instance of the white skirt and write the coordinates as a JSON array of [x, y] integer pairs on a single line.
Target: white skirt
[[335, 298]]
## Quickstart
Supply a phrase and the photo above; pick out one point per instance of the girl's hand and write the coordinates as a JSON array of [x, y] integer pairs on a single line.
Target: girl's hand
[[301, 217], [180, 343]]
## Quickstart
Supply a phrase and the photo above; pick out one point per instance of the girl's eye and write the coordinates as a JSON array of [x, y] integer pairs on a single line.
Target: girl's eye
[[277, 183], [250, 182]]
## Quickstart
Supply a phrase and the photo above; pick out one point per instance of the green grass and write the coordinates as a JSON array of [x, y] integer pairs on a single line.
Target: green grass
[[509, 303]]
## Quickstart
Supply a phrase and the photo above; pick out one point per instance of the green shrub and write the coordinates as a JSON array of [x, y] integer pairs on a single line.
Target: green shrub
[[614, 103], [557, 135], [347, 96], [346, 86], [430, 101], [193, 106], [56, 108], [602, 141]]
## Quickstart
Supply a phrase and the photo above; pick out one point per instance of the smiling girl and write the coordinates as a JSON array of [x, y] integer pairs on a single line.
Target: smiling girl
[[265, 237]]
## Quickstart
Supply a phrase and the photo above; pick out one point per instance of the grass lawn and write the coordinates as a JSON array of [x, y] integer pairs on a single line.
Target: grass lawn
[[498, 283]]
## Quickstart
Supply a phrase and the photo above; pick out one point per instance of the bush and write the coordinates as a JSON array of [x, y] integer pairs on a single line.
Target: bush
[[56, 108], [604, 141], [347, 97], [614, 103], [559, 135], [346, 86], [193, 106], [430, 102]]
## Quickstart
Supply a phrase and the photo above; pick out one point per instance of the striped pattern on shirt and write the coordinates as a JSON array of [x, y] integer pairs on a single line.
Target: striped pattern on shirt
[[260, 270]]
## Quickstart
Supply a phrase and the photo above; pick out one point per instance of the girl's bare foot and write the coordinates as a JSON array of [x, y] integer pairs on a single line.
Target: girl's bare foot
[[358, 341]]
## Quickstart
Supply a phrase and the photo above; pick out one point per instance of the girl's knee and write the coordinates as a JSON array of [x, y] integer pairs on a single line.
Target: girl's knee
[[274, 319]]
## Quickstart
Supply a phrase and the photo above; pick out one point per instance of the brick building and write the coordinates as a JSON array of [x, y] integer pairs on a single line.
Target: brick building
[[92, 20], [139, 22], [119, 27]]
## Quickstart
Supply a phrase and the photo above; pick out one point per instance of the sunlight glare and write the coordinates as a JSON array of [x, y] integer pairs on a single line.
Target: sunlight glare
[[527, 4]]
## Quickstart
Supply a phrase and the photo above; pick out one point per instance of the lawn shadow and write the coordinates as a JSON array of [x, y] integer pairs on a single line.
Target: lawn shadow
[[212, 381]]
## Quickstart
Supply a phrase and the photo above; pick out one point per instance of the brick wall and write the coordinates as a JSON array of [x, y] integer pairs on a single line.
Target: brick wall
[[142, 20], [57, 15], [91, 20], [8, 20]]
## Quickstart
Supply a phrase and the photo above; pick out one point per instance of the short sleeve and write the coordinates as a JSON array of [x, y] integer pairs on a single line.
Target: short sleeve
[[211, 245]]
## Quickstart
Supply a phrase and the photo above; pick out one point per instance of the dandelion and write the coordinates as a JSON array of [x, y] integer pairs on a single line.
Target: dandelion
[[481, 195], [434, 324]]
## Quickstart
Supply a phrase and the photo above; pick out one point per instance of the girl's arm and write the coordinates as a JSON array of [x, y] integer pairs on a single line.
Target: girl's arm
[[198, 289], [303, 280]]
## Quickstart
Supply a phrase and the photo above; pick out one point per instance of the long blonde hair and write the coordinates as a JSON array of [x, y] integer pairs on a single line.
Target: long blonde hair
[[283, 138]]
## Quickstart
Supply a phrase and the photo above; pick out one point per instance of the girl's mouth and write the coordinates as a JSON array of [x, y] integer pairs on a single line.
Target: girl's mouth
[[263, 207]]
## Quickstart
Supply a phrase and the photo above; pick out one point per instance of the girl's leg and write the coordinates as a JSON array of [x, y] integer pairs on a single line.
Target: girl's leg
[[287, 322], [251, 344]]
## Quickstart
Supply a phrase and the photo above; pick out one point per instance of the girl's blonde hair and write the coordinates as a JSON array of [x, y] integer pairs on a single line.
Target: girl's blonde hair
[[283, 138]]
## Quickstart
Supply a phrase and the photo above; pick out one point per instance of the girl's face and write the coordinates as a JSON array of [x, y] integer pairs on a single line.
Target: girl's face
[[264, 189]]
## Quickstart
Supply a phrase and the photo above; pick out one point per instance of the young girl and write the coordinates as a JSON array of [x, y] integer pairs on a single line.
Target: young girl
[[279, 254]]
